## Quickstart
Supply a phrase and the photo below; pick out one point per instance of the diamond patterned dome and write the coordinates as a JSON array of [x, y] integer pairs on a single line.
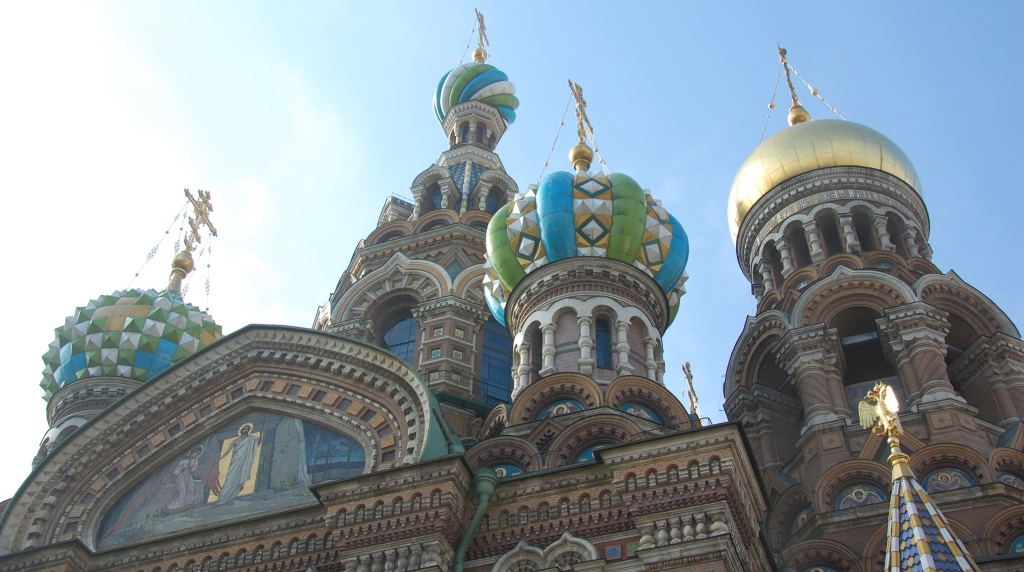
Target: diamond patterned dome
[[583, 214], [133, 334]]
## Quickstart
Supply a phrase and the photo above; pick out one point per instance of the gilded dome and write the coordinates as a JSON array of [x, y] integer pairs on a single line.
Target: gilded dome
[[812, 145], [133, 334], [582, 214]]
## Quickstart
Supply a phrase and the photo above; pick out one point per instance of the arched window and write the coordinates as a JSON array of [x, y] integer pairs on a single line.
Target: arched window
[[496, 364], [434, 196], [400, 338], [865, 232], [480, 130], [828, 226], [862, 348], [494, 201], [465, 133], [603, 343], [798, 244]]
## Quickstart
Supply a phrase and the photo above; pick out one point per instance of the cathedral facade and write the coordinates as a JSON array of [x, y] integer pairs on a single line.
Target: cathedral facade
[[484, 389]]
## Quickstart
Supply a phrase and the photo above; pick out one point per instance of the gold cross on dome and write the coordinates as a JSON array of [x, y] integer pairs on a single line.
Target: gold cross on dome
[[200, 217], [582, 121], [481, 30]]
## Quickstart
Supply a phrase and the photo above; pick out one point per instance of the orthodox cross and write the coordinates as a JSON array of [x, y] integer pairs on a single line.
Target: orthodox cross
[[692, 393], [789, 81], [200, 217], [481, 30], [583, 125]]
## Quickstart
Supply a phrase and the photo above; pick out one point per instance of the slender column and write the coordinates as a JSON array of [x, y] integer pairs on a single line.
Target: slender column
[[548, 352], [926, 251], [916, 340], [765, 268], [651, 363], [811, 355], [483, 188], [990, 375], [883, 234], [467, 177], [524, 367], [786, 254], [811, 229], [586, 361], [910, 237], [661, 371], [623, 368], [849, 234]]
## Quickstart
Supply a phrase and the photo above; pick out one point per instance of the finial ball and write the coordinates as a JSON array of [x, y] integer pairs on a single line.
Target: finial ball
[[581, 156], [479, 55], [797, 114], [183, 261]]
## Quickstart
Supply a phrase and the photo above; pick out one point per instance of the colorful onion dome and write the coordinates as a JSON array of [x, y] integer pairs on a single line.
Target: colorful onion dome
[[476, 81], [572, 215], [133, 334], [807, 146]]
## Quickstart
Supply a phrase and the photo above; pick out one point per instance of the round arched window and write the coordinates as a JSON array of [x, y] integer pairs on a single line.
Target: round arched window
[[400, 338]]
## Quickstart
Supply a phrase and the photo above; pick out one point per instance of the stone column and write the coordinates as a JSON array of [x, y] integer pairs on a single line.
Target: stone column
[[586, 361], [926, 251], [650, 362], [811, 229], [483, 188], [910, 238], [548, 352], [622, 347], [883, 235], [915, 340], [765, 268], [814, 360], [849, 234], [524, 368], [990, 375], [786, 254]]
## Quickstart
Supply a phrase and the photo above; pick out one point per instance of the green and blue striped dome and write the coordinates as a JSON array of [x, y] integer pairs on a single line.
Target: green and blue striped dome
[[572, 215], [476, 82], [133, 334]]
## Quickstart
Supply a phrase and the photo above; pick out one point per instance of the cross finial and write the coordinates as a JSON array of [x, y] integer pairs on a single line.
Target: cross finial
[[480, 54], [583, 125], [481, 30], [797, 113], [691, 392], [200, 217]]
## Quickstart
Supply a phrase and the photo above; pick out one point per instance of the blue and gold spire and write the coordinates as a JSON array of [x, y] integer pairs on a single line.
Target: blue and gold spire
[[919, 537]]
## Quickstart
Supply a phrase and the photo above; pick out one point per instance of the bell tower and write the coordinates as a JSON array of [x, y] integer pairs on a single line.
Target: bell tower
[[831, 231]]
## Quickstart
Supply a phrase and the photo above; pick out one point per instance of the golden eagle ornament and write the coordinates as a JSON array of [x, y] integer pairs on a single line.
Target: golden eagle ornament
[[880, 411]]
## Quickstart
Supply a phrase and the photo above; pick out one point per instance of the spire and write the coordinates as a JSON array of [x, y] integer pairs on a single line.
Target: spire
[[581, 154], [797, 113], [480, 54], [919, 536], [182, 263]]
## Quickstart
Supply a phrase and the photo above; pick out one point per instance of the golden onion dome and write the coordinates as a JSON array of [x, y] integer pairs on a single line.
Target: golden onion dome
[[812, 145]]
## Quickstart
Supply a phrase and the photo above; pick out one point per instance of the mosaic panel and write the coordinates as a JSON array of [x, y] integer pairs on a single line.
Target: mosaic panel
[[859, 495], [504, 471], [946, 480], [254, 464], [561, 407], [640, 411]]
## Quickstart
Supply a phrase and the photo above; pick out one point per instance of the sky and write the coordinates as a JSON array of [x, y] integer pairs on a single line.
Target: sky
[[301, 118]]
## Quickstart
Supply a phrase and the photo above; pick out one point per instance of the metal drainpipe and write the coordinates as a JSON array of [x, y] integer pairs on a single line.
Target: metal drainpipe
[[485, 480]]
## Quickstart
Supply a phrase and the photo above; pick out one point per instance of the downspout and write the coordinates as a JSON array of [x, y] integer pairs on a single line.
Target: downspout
[[485, 480]]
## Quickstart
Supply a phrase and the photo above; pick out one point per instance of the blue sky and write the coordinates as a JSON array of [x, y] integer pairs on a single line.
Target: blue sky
[[301, 118]]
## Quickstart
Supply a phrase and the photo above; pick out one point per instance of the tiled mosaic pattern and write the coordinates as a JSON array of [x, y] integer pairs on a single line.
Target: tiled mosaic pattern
[[919, 536], [584, 215], [133, 334]]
